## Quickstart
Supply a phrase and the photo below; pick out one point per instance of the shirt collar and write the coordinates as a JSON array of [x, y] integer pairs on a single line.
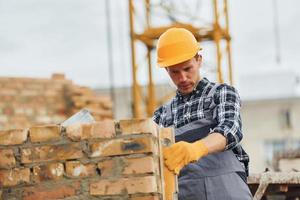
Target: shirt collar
[[199, 88]]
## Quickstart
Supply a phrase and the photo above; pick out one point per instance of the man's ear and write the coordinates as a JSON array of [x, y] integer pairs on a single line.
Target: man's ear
[[198, 57]]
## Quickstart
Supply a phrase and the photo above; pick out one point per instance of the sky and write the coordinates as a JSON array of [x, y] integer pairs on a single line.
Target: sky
[[41, 37]]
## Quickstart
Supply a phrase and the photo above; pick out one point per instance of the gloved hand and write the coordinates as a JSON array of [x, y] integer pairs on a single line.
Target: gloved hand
[[182, 153], [169, 178]]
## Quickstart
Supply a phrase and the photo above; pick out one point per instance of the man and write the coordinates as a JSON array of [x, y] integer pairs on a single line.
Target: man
[[206, 118]]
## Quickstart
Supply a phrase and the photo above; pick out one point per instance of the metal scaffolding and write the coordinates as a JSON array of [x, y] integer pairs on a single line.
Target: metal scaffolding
[[216, 32]]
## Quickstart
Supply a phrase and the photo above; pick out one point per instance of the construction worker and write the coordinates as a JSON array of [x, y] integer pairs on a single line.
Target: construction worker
[[207, 155]]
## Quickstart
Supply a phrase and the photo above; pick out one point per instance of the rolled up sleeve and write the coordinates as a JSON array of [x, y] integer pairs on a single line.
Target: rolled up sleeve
[[228, 115]]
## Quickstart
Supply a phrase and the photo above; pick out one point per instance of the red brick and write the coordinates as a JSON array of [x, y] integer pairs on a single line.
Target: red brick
[[124, 166], [81, 92], [57, 76], [12, 137], [123, 146], [75, 131], [140, 165], [53, 171], [106, 103], [44, 133], [29, 92], [79, 104], [145, 198], [102, 129], [92, 106], [51, 153], [8, 92], [57, 191], [7, 158], [77, 169], [33, 86], [110, 168], [135, 126], [102, 114], [14, 177], [50, 92], [8, 111], [132, 185]]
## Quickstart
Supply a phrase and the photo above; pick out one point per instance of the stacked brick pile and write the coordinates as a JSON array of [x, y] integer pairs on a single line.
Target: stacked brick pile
[[83, 97], [102, 160], [29, 101]]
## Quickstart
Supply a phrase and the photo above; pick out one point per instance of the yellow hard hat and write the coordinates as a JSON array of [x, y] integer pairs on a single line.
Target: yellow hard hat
[[176, 45]]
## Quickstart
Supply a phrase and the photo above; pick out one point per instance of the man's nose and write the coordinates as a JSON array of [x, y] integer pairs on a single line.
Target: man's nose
[[182, 77]]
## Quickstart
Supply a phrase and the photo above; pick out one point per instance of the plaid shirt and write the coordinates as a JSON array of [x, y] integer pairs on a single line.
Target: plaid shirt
[[228, 117]]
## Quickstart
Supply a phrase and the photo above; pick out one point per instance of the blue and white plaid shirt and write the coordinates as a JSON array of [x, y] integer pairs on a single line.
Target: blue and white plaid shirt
[[228, 117]]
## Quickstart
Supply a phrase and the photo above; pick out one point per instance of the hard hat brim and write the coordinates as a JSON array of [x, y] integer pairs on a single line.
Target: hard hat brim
[[179, 59]]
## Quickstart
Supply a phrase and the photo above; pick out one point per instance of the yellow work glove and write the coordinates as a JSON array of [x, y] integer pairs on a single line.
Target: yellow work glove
[[169, 178], [182, 153]]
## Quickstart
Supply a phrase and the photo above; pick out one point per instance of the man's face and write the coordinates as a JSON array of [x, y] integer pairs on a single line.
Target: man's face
[[185, 75]]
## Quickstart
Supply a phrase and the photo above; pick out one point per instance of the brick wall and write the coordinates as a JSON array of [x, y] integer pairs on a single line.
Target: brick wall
[[103, 160], [29, 101]]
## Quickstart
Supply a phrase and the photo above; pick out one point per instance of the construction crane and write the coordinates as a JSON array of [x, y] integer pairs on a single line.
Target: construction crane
[[216, 31]]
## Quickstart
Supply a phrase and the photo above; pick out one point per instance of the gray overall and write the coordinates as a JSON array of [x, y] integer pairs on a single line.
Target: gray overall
[[213, 177]]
